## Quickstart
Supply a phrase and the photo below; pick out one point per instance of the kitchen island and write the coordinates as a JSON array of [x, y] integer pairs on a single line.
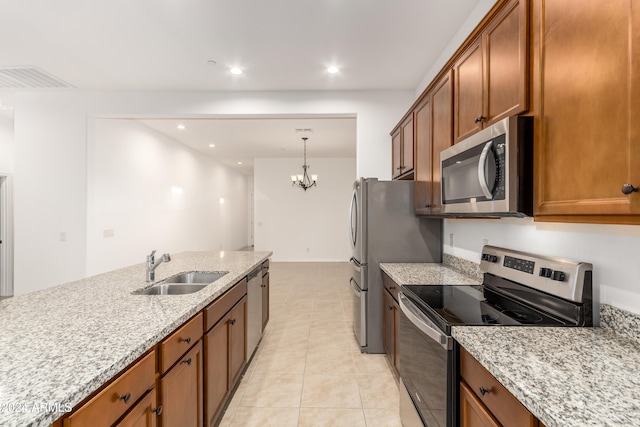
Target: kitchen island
[[61, 344]]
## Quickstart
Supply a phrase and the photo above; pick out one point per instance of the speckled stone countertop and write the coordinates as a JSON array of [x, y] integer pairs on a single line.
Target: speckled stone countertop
[[426, 274], [565, 376], [59, 345]]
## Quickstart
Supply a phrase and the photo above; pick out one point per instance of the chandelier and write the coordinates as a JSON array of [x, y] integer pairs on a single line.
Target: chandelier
[[303, 181]]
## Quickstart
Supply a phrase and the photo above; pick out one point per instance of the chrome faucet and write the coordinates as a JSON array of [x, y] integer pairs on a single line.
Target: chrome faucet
[[151, 265]]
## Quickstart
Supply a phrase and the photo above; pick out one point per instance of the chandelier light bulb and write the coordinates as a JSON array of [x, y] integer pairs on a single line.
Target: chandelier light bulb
[[302, 180]]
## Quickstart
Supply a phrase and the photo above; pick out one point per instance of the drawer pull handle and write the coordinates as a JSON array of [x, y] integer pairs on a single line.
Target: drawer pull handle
[[391, 288], [390, 308], [484, 391], [479, 119], [157, 410], [232, 321], [188, 361], [126, 398], [629, 188], [187, 340]]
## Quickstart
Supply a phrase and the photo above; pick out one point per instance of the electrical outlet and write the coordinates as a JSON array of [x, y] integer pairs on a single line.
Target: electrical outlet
[[108, 232], [451, 239]]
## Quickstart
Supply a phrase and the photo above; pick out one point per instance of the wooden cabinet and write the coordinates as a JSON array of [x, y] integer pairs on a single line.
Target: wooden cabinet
[[390, 320], [174, 346], [181, 391], [433, 119], [225, 349], [587, 135], [491, 75], [144, 414], [117, 398], [485, 402], [402, 144]]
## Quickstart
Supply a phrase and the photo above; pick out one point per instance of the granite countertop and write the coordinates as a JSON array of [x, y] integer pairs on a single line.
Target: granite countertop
[[59, 345], [564, 376], [426, 274]]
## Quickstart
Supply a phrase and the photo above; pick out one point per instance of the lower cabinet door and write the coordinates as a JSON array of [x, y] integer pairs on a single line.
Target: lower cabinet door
[[181, 391], [472, 412], [216, 343], [144, 414], [237, 339]]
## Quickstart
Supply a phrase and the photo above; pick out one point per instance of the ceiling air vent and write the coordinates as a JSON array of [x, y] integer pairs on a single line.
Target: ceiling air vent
[[304, 130], [28, 77]]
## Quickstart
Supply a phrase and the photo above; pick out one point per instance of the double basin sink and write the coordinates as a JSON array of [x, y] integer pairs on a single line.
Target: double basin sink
[[183, 283]]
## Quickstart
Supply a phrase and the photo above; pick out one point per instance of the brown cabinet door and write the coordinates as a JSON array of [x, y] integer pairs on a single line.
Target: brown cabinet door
[[423, 160], [237, 340], [506, 53], [396, 154], [216, 365], [181, 391], [441, 136], [143, 414], [389, 329], [472, 412], [469, 91], [265, 300], [407, 145], [587, 138]]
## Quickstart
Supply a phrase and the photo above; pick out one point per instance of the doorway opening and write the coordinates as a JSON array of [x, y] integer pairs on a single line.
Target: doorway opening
[[6, 236]]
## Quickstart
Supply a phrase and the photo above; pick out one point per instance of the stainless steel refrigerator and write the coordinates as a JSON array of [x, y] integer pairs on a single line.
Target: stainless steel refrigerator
[[384, 228]]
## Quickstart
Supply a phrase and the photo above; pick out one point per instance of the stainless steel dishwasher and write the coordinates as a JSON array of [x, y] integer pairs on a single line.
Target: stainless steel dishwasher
[[254, 310]]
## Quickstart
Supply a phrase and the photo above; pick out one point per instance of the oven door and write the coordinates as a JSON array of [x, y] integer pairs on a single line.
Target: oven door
[[427, 370]]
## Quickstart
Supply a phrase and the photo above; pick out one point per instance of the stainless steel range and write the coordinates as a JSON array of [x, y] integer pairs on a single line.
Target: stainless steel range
[[519, 289]]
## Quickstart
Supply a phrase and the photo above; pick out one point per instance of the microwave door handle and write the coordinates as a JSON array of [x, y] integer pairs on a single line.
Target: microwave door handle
[[482, 177], [421, 322]]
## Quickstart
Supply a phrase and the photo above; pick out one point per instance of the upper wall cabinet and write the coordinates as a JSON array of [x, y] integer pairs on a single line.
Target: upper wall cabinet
[[587, 132], [402, 150], [433, 119], [491, 75]]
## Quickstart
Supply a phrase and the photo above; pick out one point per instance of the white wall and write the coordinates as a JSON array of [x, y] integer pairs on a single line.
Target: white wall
[[300, 225], [6, 145], [134, 174], [51, 134]]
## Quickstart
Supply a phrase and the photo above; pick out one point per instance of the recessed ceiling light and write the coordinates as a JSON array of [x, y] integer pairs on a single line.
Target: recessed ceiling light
[[212, 145], [236, 71], [239, 163], [333, 69], [181, 127]]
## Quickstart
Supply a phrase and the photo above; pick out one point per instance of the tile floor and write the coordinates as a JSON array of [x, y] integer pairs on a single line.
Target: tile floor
[[308, 369]]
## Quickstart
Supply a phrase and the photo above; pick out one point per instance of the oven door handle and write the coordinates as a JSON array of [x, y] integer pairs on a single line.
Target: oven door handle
[[423, 323], [482, 178]]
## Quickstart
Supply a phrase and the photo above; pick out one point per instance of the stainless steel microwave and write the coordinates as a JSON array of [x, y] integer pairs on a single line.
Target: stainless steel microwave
[[490, 173]]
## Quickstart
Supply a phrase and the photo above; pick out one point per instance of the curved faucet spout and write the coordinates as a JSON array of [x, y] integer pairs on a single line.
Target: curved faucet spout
[[152, 264]]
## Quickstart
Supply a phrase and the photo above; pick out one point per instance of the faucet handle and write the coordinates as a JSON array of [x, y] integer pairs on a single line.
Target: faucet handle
[[153, 252], [166, 257]]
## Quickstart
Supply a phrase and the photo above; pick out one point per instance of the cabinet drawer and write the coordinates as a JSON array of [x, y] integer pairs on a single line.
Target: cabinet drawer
[[502, 404], [177, 344], [390, 285], [214, 311], [118, 397]]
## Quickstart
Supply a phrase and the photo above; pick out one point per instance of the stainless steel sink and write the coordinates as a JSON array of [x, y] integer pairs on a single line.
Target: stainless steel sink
[[195, 277], [183, 283], [171, 289]]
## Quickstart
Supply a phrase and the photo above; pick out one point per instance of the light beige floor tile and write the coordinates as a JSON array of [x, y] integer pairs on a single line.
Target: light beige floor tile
[[324, 341], [382, 417], [279, 391], [379, 391], [285, 344], [281, 362], [329, 363], [264, 417], [370, 364], [330, 417], [330, 391]]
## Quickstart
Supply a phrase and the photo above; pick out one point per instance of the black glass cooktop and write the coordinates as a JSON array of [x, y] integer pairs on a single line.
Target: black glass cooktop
[[456, 305]]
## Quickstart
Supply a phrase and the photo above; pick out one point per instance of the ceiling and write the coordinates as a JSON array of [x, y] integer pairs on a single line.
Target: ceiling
[[279, 45]]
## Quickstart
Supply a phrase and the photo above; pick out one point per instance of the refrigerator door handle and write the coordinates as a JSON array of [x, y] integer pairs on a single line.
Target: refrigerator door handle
[[354, 287], [353, 220], [356, 265]]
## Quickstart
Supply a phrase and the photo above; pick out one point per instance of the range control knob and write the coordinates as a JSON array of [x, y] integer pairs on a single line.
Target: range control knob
[[546, 272], [489, 258], [558, 275]]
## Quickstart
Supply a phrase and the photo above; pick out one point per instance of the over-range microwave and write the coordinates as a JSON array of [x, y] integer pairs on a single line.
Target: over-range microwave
[[490, 173]]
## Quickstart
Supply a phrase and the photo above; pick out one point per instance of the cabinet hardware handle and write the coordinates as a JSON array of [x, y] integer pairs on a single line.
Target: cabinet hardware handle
[[629, 188], [390, 308], [479, 119], [126, 398], [232, 321], [391, 287], [157, 410], [188, 361], [187, 340], [263, 286], [484, 391]]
